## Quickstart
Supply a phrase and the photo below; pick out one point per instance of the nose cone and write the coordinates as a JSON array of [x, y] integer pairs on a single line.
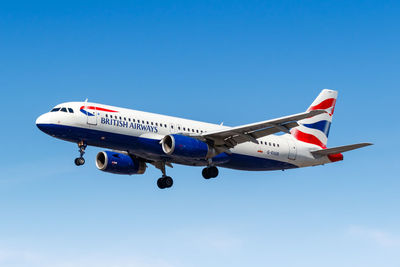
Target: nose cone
[[43, 122], [41, 119]]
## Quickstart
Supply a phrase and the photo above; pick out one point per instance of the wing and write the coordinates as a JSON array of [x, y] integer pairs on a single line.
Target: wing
[[228, 138]]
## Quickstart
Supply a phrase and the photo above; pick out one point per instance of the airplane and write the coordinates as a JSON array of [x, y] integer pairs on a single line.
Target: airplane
[[136, 139]]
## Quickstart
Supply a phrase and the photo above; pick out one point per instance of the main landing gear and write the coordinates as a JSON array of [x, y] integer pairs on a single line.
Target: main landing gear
[[210, 172], [80, 161], [165, 181]]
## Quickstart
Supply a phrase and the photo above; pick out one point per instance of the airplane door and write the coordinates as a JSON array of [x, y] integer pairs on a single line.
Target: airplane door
[[292, 150], [91, 117]]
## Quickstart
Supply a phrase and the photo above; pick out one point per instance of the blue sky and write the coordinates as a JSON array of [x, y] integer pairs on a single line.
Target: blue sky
[[231, 61]]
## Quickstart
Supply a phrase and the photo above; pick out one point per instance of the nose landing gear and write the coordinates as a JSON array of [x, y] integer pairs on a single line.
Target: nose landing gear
[[80, 161]]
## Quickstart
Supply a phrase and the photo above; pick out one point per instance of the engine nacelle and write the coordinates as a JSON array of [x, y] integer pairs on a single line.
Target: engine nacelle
[[187, 147], [119, 163]]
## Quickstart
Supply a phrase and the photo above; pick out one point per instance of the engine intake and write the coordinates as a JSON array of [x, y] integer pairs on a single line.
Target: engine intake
[[187, 147], [119, 163]]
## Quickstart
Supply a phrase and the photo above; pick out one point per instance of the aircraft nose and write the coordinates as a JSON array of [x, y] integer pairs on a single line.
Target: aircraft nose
[[42, 122], [40, 119]]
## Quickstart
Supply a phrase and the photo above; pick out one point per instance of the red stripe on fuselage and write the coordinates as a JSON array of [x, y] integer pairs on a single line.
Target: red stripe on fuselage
[[97, 108]]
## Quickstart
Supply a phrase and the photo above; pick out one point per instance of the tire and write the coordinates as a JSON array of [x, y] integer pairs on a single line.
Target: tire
[[78, 162], [213, 172], [81, 161], [205, 173], [168, 182], [160, 183]]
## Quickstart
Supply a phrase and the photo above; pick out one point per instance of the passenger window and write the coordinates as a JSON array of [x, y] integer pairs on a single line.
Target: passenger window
[[55, 109], [63, 109], [133, 120], [197, 131], [261, 142], [192, 130], [106, 115], [277, 145], [274, 144], [156, 123], [151, 123], [124, 118], [269, 143], [129, 119], [165, 125], [147, 122], [184, 128], [142, 122]]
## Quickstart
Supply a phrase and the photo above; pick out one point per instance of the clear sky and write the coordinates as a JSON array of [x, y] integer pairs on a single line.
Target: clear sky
[[232, 61]]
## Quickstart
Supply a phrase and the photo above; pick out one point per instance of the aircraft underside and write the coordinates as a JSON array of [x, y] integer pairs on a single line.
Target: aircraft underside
[[151, 151]]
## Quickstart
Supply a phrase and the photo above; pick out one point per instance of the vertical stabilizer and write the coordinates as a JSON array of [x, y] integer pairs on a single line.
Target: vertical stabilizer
[[315, 130]]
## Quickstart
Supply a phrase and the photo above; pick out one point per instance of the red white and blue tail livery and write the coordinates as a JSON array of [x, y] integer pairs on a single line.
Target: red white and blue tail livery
[[136, 139], [315, 130]]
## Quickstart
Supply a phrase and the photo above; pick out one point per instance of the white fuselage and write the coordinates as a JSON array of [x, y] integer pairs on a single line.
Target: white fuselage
[[139, 134]]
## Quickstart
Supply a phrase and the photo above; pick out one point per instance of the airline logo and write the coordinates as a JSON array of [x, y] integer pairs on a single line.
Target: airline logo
[[316, 130], [84, 109], [323, 125], [129, 125]]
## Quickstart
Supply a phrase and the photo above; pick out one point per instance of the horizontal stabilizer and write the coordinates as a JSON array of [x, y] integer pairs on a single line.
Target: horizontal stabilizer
[[338, 149]]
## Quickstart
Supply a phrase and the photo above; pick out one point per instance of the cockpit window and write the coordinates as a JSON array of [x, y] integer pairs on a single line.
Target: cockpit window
[[70, 110], [55, 109], [63, 110]]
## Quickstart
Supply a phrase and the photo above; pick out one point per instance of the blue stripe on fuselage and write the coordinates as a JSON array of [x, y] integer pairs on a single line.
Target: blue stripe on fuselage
[[152, 148]]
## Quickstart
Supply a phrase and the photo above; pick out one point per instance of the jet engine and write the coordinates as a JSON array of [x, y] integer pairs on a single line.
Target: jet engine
[[119, 163], [186, 147]]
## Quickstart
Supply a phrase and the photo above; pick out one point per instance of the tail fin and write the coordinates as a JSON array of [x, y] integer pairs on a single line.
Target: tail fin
[[315, 130]]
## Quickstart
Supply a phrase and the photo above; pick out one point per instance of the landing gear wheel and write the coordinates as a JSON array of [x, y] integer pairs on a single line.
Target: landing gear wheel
[[168, 182], [160, 183], [213, 171], [210, 172], [79, 161], [206, 173], [165, 182]]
